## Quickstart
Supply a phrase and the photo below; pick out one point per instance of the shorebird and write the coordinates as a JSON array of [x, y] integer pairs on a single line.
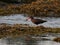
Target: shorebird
[[36, 21]]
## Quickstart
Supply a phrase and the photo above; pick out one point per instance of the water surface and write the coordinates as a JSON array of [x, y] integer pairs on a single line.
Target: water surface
[[26, 41], [21, 19]]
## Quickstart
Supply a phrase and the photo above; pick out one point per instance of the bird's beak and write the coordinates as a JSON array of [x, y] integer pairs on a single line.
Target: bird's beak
[[27, 19]]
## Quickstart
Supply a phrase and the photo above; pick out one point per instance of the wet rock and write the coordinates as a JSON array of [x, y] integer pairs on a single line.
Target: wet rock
[[57, 39]]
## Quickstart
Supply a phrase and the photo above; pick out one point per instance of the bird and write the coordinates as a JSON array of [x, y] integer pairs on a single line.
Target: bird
[[36, 21]]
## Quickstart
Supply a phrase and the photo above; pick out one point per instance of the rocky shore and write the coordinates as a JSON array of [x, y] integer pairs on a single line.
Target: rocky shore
[[36, 8], [20, 29]]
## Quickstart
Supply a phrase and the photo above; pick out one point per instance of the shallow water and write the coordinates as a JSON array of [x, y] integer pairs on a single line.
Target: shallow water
[[24, 41], [20, 19]]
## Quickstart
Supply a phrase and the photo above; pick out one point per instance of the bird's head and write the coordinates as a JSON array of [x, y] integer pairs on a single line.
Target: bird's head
[[29, 18]]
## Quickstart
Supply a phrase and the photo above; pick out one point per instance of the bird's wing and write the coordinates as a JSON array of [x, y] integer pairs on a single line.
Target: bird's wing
[[40, 20]]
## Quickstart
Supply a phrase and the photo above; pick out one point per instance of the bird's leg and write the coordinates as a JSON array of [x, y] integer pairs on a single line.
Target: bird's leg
[[33, 25]]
